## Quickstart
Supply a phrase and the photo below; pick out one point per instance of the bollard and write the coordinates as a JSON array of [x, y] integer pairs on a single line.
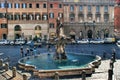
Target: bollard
[[111, 64], [83, 75], [56, 76], [14, 71], [24, 77], [110, 73], [114, 55], [6, 66], [1, 62]]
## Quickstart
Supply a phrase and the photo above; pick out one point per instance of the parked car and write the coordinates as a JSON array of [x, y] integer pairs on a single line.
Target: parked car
[[19, 41], [118, 43], [109, 40], [83, 41], [4, 42], [12, 42], [97, 41]]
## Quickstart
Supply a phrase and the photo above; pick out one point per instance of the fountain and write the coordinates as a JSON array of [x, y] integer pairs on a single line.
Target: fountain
[[60, 45], [44, 65]]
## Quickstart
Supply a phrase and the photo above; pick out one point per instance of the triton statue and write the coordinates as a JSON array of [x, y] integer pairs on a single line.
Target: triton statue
[[60, 44]]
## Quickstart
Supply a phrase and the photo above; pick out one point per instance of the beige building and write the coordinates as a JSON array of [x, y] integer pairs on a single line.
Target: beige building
[[89, 18]]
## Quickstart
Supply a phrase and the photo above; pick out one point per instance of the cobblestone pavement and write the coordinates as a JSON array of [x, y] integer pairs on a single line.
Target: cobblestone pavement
[[101, 73]]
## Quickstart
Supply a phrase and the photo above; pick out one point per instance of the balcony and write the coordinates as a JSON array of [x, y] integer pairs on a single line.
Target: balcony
[[26, 21]]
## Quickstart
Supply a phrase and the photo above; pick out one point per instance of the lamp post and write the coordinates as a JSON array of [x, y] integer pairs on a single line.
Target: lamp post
[[6, 15], [93, 29]]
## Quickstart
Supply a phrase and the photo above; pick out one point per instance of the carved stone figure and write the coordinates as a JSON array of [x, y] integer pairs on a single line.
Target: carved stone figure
[[60, 45]]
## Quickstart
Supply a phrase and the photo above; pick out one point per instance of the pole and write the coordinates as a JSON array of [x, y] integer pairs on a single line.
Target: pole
[[6, 15]]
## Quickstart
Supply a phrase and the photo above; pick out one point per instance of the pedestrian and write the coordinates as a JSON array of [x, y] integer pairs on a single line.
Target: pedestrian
[[34, 51], [104, 55], [48, 48], [114, 55], [27, 51], [21, 51]]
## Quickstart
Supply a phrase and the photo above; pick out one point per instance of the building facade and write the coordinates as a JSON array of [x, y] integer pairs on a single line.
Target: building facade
[[89, 18], [37, 18], [26, 18], [117, 18], [55, 10]]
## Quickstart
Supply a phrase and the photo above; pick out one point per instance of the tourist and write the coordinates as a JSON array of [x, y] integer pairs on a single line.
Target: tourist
[[34, 51], [21, 51], [104, 55], [48, 48], [27, 51]]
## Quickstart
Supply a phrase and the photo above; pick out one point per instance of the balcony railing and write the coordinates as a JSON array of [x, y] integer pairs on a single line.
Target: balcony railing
[[26, 21]]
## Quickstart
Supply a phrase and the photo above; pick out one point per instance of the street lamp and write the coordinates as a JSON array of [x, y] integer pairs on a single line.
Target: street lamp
[[93, 29]]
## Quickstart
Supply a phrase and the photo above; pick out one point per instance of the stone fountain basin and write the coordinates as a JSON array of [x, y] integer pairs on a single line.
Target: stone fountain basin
[[89, 66]]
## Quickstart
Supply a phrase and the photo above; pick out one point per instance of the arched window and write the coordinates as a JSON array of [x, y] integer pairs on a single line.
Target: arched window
[[17, 28], [37, 28]]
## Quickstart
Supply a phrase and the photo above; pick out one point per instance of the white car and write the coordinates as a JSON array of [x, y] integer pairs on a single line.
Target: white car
[[109, 40], [4, 42], [19, 41], [118, 43], [97, 41], [83, 41]]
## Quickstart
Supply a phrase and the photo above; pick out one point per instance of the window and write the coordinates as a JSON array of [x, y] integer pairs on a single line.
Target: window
[[24, 16], [24, 5], [37, 16], [3, 25], [60, 5], [37, 5], [9, 5], [72, 16], [44, 5], [81, 8], [10, 17], [2, 5], [60, 15], [30, 17], [2, 15], [44, 17], [106, 8], [71, 8], [17, 28], [97, 8], [98, 17], [51, 15], [89, 8], [51, 5], [37, 28], [30, 5], [17, 17], [17, 5], [106, 17], [51, 25]]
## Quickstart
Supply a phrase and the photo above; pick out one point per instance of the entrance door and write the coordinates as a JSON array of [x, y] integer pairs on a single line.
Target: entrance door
[[4, 36], [89, 33], [17, 36]]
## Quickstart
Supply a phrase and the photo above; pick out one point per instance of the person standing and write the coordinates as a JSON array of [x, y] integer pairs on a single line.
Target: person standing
[[21, 51]]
